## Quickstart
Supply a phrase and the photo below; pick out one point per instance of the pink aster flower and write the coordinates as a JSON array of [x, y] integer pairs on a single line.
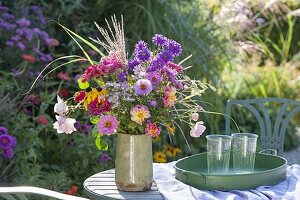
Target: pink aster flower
[[64, 124], [152, 129], [108, 124], [198, 129], [143, 87], [139, 113], [60, 107], [154, 77]]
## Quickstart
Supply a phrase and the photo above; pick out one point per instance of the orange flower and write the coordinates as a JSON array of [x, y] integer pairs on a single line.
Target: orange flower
[[28, 58]]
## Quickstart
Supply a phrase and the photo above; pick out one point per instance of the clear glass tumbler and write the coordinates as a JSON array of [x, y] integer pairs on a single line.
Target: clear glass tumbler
[[218, 153], [243, 152]]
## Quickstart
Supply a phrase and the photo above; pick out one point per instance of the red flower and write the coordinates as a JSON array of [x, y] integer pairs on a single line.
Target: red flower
[[28, 58], [79, 96], [63, 76], [63, 92], [97, 108], [42, 120], [74, 188], [179, 69]]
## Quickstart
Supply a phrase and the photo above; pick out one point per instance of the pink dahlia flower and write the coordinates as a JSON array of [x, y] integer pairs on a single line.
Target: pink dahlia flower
[[139, 113], [152, 129], [108, 124]]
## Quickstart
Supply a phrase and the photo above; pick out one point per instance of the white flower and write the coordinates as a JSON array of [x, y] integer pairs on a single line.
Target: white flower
[[195, 117], [60, 107], [198, 129], [64, 124]]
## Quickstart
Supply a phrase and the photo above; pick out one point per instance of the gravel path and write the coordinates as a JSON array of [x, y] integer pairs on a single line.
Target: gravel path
[[293, 156]]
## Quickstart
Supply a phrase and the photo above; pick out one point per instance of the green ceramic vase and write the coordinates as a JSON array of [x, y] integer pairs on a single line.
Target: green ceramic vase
[[134, 163]]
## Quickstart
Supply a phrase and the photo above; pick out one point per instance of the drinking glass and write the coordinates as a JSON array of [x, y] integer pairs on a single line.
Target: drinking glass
[[243, 152], [218, 153]]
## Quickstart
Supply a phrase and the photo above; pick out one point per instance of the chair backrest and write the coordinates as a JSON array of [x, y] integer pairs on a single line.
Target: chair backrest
[[19, 193], [271, 134]]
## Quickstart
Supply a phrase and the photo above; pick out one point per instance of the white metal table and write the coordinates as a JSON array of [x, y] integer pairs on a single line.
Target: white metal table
[[102, 186]]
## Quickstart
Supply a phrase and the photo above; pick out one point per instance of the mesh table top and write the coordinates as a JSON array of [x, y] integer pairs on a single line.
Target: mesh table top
[[102, 186]]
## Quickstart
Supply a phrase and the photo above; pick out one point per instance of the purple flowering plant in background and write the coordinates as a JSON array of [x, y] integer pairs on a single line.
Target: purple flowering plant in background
[[7, 143], [24, 33]]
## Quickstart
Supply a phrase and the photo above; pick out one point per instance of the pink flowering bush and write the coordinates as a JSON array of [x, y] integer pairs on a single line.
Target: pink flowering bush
[[141, 94]]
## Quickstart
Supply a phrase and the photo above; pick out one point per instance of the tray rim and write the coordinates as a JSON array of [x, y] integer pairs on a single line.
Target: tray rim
[[231, 174]]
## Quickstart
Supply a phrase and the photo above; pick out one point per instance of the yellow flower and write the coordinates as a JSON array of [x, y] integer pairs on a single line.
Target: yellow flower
[[176, 151], [159, 157], [139, 113], [170, 128], [92, 95]]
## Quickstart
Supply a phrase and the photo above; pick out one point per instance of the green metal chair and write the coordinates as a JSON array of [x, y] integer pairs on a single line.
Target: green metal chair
[[19, 193], [271, 134]]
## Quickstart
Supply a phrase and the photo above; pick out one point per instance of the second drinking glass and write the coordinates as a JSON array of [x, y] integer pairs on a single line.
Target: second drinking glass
[[243, 152]]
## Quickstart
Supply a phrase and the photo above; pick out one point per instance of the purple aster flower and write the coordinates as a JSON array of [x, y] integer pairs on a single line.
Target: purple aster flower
[[3, 130], [153, 103], [159, 40], [139, 46], [8, 153], [122, 76], [8, 16], [104, 158], [6, 141], [132, 64], [143, 54], [46, 58], [86, 128], [165, 56], [21, 46], [44, 36], [172, 75], [15, 38], [174, 47], [154, 77], [3, 9], [77, 125], [107, 124], [9, 43], [23, 22], [143, 87], [11, 26], [5, 25], [155, 65], [36, 30]]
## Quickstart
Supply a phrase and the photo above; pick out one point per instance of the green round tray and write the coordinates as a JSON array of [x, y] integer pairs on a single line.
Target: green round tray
[[268, 170]]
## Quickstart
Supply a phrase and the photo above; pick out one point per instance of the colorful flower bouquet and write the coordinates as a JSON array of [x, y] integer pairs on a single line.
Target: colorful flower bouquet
[[135, 95]]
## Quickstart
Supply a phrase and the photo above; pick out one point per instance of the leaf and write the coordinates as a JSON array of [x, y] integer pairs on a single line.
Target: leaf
[[95, 132], [100, 144], [82, 85], [94, 119]]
